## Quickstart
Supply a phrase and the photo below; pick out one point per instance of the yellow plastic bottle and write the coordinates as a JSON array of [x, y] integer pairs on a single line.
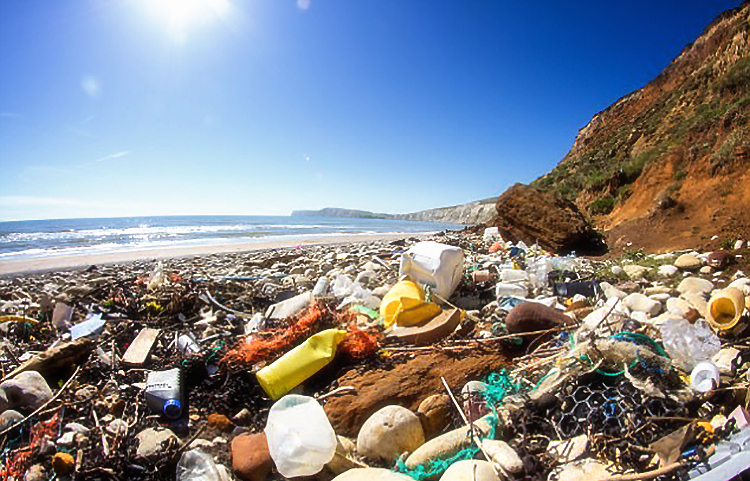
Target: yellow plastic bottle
[[294, 367], [404, 305]]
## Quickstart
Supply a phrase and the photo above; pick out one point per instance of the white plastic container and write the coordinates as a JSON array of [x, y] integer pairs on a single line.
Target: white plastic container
[[491, 234], [300, 437], [510, 290], [434, 264], [513, 275]]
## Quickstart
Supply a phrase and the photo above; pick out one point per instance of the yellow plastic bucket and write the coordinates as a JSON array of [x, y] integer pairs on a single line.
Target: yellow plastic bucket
[[725, 308], [404, 305], [297, 365]]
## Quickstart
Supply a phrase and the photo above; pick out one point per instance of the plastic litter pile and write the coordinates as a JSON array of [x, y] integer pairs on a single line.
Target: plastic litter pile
[[522, 365]]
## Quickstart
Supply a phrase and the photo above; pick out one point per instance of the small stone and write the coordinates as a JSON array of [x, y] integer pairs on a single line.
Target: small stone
[[503, 456], [470, 470], [201, 443], [617, 270], [152, 442], [635, 272], [67, 440], [28, 390], [63, 463], [639, 302], [739, 244], [611, 291], [371, 474], [568, 450], [688, 262], [251, 459], [474, 405], [434, 412], [695, 285], [9, 418], [86, 393], [706, 270], [77, 428], [389, 433], [660, 297], [667, 270], [446, 445], [35, 473], [678, 306], [220, 422]]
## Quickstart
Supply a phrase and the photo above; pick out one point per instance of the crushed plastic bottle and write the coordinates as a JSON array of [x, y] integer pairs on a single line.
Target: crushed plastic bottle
[[195, 465], [688, 344], [300, 437], [158, 277]]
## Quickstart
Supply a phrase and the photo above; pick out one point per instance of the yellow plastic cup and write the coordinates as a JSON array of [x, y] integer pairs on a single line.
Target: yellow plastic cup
[[725, 308], [297, 365], [404, 305]]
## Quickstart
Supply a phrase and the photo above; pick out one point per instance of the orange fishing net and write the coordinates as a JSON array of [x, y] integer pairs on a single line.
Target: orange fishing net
[[358, 343], [17, 464], [253, 351]]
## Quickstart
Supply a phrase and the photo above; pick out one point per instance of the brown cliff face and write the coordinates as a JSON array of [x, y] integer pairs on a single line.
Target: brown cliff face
[[666, 166]]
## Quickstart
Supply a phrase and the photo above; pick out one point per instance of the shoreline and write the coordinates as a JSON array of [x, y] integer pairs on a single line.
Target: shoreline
[[69, 262]]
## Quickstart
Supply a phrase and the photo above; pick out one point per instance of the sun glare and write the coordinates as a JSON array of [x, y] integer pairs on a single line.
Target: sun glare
[[181, 16]]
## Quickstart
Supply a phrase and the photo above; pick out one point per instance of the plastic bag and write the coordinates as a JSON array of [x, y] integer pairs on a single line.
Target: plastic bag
[[688, 344], [300, 437]]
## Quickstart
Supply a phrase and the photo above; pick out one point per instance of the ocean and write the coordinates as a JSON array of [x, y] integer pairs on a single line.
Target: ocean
[[45, 238]]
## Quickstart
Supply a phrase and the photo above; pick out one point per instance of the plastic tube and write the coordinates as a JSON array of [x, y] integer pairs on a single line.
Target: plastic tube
[[725, 308]]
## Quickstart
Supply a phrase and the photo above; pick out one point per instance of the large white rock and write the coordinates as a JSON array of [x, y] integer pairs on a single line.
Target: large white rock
[[503, 456], [371, 474], [639, 302], [695, 284], [635, 272], [389, 433], [688, 262], [470, 470], [611, 291], [667, 270], [28, 390], [446, 445]]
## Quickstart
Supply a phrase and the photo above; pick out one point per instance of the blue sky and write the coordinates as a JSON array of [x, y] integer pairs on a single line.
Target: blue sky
[[157, 107]]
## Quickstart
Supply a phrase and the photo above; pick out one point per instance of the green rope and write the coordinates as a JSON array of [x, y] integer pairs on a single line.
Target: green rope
[[499, 386]]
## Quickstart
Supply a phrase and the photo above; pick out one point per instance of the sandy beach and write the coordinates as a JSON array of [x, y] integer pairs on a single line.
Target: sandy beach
[[44, 264]]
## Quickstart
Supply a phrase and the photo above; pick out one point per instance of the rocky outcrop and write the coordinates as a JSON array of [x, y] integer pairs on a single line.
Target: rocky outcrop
[[527, 214], [472, 213]]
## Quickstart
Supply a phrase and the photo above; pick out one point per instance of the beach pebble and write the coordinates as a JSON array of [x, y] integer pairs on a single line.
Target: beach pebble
[[371, 474], [390, 432], [434, 412], [688, 262], [616, 270], [503, 456], [251, 459], [63, 463], [640, 302], [446, 445], [28, 390], [8, 418], [36, 473], [568, 450], [580, 470], [470, 470], [667, 270], [695, 285], [635, 272]]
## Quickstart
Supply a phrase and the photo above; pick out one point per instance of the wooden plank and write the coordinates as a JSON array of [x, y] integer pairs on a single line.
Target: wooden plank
[[139, 350]]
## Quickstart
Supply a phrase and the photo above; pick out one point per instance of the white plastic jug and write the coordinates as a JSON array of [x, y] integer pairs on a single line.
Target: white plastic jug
[[300, 437], [434, 264]]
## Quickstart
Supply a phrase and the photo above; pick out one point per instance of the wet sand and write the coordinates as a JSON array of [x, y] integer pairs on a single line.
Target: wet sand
[[26, 266]]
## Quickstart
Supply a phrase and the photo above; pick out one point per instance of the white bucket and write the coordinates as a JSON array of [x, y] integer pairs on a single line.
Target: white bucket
[[434, 264]]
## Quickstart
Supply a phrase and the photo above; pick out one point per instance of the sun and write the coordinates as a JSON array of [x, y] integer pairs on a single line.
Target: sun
[[181, 16]]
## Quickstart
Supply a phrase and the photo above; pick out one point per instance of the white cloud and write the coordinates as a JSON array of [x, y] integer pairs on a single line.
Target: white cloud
[[92, 86], [116, 155]]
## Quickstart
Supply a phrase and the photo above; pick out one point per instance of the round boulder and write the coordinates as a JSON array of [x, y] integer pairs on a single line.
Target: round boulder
[[389, 433]]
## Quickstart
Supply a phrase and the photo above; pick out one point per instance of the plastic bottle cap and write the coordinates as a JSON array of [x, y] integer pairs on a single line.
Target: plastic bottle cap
[[173, 409], [705, 377]]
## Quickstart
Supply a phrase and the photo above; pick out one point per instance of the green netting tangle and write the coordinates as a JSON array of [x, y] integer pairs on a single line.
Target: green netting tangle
[[499, 385]]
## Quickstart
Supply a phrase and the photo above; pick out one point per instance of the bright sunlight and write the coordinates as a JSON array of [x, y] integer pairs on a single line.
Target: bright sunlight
[[182, 16]]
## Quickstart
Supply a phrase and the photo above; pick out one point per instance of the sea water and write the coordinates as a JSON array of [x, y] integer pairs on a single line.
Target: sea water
[[45, 238]]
